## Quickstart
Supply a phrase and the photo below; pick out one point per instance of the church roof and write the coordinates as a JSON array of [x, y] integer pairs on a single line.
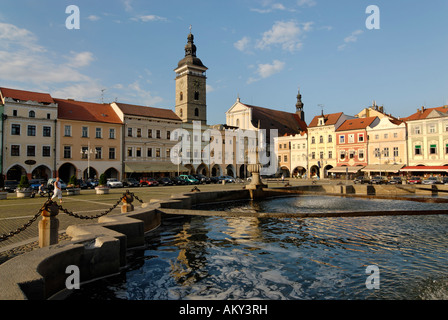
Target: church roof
[[284, 122]]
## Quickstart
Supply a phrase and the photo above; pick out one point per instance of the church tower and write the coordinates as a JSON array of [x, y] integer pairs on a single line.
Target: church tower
[[299, 107], [190, 86]]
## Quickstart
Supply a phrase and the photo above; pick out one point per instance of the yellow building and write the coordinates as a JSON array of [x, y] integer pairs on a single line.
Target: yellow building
[[89, 140]]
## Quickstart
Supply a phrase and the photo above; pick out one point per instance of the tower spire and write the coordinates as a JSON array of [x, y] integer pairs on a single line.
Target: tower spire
[[299, 106]]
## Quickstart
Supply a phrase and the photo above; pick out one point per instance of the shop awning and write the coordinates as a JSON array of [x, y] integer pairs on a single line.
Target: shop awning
[[148, 167], [393, 168], [425, 169], [345, 170]]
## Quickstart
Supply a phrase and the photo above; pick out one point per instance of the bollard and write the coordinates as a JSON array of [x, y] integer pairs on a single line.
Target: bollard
[[127, 203], [49, 226]]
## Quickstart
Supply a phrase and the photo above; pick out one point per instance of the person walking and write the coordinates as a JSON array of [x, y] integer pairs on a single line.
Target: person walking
[[57, 192]]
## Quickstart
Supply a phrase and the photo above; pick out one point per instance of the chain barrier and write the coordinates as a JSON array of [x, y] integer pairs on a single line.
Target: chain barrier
[[49, 202], [6, 236]]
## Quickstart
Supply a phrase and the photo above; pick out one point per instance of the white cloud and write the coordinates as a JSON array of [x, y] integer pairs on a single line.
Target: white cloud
[[81, 59], [93, 18], [306, 3], [127, 5], [149, 18], [268, 7], [353, 37], [285, 34], [135, 93], [266, 70], [243, 44]]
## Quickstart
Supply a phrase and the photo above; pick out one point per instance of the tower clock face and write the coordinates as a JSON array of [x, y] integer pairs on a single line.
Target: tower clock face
[[196, 84]]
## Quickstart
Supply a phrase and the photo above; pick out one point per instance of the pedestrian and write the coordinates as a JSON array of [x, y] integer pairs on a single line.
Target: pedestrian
[[57, 192]]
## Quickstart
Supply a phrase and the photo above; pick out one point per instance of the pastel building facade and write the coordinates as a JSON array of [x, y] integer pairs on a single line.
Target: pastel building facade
[[89, 140], [29, 134]]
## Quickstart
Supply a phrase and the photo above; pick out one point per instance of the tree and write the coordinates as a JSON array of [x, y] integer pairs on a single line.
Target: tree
[[24, 183], [102, 181]]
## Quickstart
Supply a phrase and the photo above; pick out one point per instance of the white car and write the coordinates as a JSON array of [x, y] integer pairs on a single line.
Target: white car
[[114, 183]]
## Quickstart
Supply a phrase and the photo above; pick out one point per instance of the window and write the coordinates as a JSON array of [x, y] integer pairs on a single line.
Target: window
[[15, 129], [395, 135], [149, 152], [313, 155], [417, 130], [129, 132], [48, 116], [158, 134], [98, 153], [112, 134], [280, 146], [361, 154], [181, 96], [67, 131], [396, 152], [321, 139], [67, 152], [46, 131], [168, 135], [313, 140], [377, 136], [361, 137], [432, 128], [196, 112], [157, 152], [138, 152], [32, 114], [31, 151], [321, 155], [386, 152], [31, 131], [84, 132], [377, 152], [129, 152], [418, 150], [84, 152], [46, 151], [139, 132], [14, 113], [196, 95], [15, 150], [351, 138], [149, 133], [330, 138], [285, 158], [330, 154], [279, 158], [351, 154], [342, 139], [180, 113], [386, 136], [342, 155], [111, 153], [433, 149], [98, 133], [168, 153]]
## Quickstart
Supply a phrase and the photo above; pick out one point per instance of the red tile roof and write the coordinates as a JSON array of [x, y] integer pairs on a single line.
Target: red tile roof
[[26, 95], [424, 112], [284, 122], [151, 112], [330, 119], [356, 124], [86, 111]]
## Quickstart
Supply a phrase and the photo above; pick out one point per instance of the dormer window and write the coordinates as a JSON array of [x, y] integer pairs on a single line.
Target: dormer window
[[321, 121]]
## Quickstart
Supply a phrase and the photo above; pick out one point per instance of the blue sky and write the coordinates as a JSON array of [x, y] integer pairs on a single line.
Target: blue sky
[[261, 50]]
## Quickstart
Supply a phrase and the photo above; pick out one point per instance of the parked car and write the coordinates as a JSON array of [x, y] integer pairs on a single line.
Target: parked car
[[130, 182], [415, 180], [11, 185], [395, 180], [189, 179], [227, 179], [165, 182], [214, 180], [361, 180], [431, 180], [114, 183], [378, 180], [178, 181], [51, 181], [152, 182], [202, 179], [35, 183]]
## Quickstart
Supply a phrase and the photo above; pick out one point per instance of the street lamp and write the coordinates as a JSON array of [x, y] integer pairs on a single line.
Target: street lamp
[[87, 153]]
